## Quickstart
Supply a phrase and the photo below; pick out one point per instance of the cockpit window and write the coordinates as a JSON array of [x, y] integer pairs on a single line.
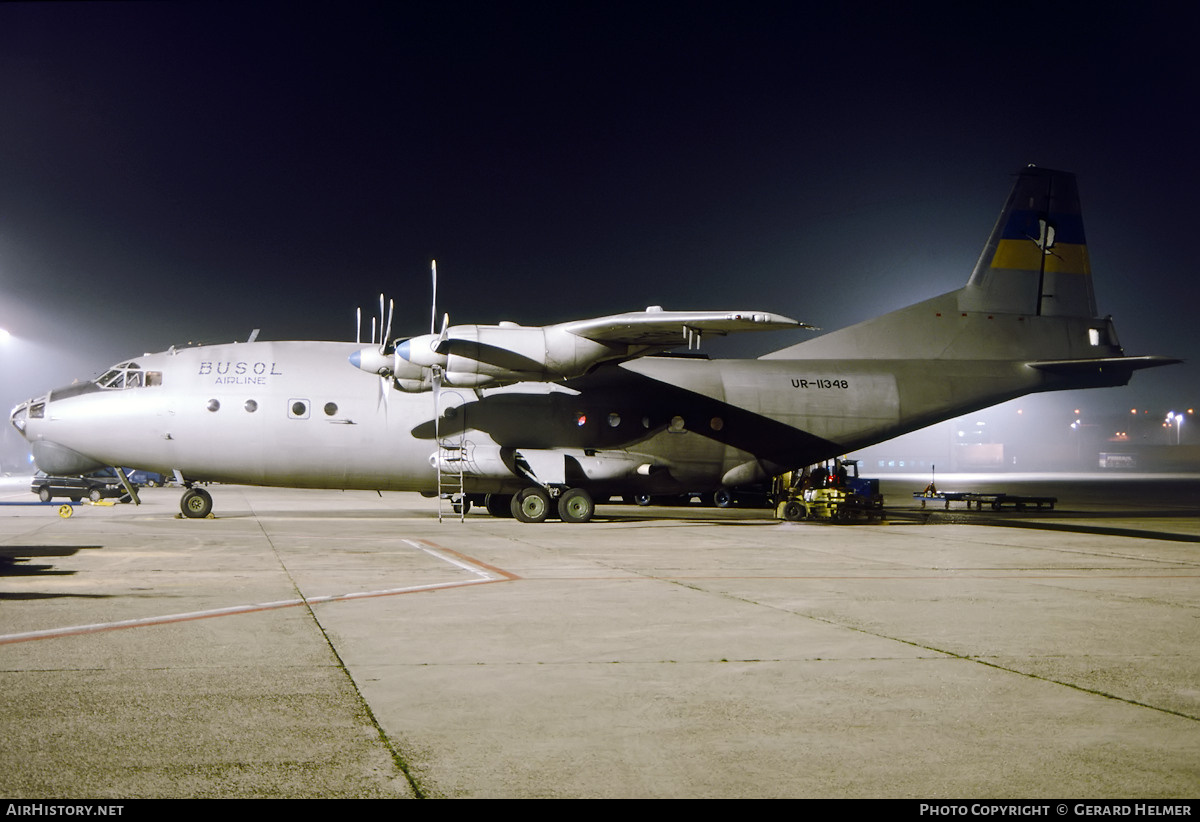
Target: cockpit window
[[128, 375]]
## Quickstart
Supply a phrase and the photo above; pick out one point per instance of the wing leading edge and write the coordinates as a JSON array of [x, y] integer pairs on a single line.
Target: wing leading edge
[[479, 356], [664, 329]]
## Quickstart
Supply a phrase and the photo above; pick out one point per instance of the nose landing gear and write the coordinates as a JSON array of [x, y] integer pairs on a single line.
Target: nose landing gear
[[196, 503]]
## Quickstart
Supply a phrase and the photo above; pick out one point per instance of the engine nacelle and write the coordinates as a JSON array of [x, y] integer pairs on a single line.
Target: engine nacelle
[[406, 376], [481, 461], [373, 361], [414, 386], [473, 356]]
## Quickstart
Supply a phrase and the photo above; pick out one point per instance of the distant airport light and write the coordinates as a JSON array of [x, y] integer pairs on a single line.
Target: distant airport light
[[1177, 421]]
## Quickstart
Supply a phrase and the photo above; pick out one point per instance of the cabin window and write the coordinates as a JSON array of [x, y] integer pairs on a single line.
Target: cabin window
[[298, 409], [213, 405], [614, 419], [330, 409], [251, 406], [677, 425]]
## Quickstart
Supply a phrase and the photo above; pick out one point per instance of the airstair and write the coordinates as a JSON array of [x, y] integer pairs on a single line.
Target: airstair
[[451, 460]]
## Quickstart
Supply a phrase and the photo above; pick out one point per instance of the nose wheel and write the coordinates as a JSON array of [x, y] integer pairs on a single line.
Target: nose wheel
[[196, 503]]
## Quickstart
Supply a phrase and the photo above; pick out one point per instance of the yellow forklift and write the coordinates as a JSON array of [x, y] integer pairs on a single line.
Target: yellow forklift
[[833, 492]]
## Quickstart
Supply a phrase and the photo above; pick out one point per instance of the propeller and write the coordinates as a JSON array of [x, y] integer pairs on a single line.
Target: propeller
[[376, 358], [436, 370], [394, 361]]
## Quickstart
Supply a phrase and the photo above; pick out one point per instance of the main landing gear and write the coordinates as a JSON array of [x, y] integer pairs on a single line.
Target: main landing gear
[[534, 504]]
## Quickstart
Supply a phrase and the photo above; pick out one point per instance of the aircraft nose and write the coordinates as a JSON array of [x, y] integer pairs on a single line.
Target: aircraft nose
[[18, 417]]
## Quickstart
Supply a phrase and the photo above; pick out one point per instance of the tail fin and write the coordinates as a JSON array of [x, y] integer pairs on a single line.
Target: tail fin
[[1033, 274], [1029, 301], [1036, 260]]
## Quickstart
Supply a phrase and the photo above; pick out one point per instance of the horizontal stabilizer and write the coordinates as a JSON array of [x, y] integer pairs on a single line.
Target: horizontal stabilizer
[[1099, 364]]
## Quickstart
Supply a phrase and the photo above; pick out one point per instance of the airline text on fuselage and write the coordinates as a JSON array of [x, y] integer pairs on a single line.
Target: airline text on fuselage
[[230, 372]]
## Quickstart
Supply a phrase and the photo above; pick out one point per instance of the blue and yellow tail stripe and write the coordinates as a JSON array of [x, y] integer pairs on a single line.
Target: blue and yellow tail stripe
[[1024, 255], [1018, 247]]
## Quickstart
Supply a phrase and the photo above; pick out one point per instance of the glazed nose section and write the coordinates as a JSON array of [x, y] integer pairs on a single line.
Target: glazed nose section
[[19, 417]]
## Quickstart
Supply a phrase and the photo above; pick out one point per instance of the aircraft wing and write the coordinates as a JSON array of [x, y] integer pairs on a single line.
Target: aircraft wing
[[658, 328], [477, 356]]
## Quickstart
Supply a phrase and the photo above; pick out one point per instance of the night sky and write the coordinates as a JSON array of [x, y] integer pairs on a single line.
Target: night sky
[[175, 172]]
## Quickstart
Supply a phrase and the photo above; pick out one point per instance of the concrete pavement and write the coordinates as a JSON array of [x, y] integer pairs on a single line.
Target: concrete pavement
[[312, 643]]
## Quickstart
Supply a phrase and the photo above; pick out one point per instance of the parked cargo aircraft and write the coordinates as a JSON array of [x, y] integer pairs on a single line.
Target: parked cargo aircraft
[[536, 421]]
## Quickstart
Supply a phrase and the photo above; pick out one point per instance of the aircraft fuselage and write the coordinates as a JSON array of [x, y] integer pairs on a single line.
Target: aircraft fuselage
[[296, 414]]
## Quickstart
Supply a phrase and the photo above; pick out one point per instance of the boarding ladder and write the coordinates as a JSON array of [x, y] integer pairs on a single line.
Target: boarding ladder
[[451, 457]]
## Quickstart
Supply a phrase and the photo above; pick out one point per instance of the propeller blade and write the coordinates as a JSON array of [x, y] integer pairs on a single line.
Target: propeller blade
[[433, 304], [442, 344], [358, 325], [381, 401], [384, 339], [380, 320]]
